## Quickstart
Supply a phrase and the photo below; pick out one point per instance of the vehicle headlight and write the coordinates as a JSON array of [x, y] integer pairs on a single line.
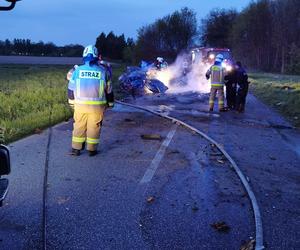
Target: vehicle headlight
[[228, 67], [211, 56]]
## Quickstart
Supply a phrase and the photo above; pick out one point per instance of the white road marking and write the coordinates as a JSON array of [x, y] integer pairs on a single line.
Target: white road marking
[[158, 157], [256, 211]]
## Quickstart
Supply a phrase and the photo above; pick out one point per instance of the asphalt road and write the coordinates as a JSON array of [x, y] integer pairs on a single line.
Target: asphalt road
[[109, 202], [266, 148], [157, 194]]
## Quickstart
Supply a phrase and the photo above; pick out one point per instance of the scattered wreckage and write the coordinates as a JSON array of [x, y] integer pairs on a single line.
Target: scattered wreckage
[[141, 80]]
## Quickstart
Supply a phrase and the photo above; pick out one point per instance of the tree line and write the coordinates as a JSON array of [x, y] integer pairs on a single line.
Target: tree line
[[110, 46], [26, 47], [265, 35], [167, 36]]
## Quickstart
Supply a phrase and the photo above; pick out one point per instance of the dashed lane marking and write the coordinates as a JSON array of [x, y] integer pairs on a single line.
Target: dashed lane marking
[[158, 157]]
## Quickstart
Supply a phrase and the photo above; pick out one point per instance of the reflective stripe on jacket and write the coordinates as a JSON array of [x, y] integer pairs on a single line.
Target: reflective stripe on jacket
[[216, 74], [89, 84]]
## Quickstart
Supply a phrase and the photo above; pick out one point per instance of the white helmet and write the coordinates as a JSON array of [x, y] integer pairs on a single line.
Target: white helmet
[[220, 57], [160, 59], [90, 50]]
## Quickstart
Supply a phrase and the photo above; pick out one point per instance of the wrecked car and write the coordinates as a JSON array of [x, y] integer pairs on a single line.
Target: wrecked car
[[141, 80]]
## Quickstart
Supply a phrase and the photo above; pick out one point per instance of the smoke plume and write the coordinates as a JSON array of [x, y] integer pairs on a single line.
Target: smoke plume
[[184, 76]]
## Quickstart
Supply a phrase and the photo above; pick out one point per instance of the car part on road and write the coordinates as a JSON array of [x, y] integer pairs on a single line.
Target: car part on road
[[151, 137], [257, 216]]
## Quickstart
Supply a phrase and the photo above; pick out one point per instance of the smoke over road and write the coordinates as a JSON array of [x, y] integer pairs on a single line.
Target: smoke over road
[[177, 82]]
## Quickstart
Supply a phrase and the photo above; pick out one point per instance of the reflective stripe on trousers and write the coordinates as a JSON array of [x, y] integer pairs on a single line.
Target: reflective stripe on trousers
[[87, 127], [213, 92]]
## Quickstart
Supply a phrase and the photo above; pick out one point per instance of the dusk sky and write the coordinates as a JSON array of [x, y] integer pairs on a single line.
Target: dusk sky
[[78, 21]]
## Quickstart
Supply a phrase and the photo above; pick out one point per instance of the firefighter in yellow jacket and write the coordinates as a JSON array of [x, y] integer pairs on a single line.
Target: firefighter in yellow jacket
[[216, 75], [91, 90]]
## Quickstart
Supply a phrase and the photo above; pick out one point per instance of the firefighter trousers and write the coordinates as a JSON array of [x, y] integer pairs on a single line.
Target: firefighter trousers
[[213, 92], [87, 127]]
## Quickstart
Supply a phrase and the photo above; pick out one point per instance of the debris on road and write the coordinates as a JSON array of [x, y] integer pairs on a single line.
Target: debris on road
[[221, 227], [62, 200], [220, 161], [272, 158], [195, 208], [150, 199], [249, 245], [174, 152], [129, 121], [216, 154], [151, 137]]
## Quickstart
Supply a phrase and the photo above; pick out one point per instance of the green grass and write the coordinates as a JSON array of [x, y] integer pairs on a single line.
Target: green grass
[[282, 92], [29, 94]]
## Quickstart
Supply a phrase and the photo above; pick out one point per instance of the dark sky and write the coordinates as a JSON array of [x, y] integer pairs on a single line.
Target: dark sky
[[81, 21]]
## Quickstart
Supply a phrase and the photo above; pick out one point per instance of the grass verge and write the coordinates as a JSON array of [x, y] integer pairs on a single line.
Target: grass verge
[[29, 94], [281, 92]]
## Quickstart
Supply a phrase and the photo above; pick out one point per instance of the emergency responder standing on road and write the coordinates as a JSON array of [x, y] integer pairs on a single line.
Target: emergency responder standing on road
[[243, 83], [160, 63], [69, 76], [216, 75], [231, 83], [92, 93], [106, 65]]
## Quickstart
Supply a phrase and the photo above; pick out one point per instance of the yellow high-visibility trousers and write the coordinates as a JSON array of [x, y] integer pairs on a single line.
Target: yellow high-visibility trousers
[[213, 92], [87, 127]]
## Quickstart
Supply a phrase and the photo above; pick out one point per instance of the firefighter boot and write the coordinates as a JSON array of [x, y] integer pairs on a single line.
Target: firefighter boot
[[93, 153], [75, 152]]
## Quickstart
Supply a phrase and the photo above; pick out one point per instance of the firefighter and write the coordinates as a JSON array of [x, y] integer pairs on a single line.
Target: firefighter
[[243, 83], [92, 93], [106, 65], [216, 75], [231, 83], [70, 93], [160, 63]]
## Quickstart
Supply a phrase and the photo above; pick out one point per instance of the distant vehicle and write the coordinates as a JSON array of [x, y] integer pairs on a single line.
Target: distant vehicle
[[4, 170], [208, 55], [10, 7]]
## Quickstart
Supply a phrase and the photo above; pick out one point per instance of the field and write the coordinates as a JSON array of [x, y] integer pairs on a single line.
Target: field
[[281, 92], [33, 97]]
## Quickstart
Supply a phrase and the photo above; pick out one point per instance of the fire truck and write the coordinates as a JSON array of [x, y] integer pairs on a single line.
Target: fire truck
[[207, 56]]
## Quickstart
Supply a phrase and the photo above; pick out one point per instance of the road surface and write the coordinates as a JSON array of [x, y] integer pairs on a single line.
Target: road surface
[[157, 194]]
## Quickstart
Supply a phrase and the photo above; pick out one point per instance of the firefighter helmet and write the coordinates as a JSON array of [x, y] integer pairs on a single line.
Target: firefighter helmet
[[220, 57], [160, 59], [90, 52]]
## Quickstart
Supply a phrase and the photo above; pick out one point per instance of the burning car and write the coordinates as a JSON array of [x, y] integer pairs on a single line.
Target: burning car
[[140, 80]]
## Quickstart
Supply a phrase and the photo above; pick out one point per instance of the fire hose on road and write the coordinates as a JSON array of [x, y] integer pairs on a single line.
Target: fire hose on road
[[256, 211]]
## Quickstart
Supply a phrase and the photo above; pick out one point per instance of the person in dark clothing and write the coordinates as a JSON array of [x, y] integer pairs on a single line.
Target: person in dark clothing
[[242, 91], [230, 83]]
